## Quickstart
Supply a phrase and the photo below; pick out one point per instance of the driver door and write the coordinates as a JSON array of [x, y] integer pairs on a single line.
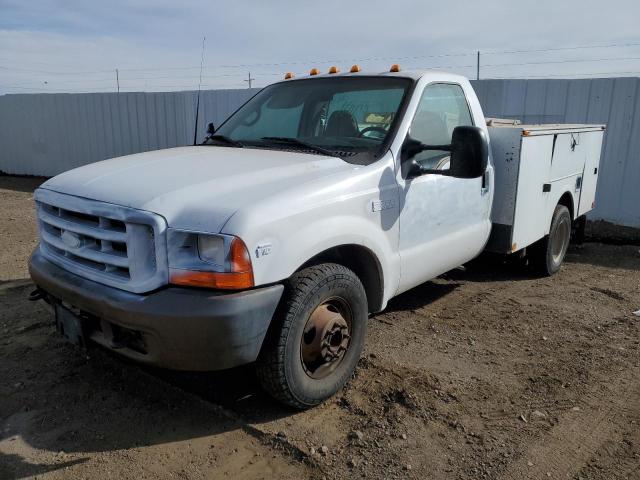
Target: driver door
[[444, 221]]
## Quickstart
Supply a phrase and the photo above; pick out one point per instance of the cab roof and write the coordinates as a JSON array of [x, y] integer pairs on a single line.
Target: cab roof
[[412, 74]]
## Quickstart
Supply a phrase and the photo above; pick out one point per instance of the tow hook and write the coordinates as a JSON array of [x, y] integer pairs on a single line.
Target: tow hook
[[36, 295]]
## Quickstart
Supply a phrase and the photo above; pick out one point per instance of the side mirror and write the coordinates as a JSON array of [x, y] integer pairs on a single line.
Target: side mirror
[[469, 154], [210, 129]]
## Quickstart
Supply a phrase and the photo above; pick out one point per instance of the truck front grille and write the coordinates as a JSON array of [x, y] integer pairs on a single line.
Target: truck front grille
[[110, 244]]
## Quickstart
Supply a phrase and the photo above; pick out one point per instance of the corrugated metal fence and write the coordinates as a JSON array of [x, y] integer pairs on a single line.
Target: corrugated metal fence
[[44, 134]]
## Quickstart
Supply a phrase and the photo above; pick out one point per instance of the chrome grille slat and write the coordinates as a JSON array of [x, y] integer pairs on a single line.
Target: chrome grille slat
[[110, 244], [97, 256], [64, 224], [115, 272]]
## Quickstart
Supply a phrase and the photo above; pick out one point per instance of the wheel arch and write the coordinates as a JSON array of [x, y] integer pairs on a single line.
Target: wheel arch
[[566, 199], [363, 262]]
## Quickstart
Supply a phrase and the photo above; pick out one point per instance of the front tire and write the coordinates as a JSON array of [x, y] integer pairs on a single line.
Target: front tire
[[548, 254], [316, 337]]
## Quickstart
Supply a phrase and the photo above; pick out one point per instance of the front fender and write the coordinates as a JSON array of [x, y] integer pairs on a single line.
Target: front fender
[[362, 208], [286, 254]]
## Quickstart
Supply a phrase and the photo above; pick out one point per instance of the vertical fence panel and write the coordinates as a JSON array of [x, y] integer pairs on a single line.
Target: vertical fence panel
[[628, 208], [515, 93], [555, 101], [534, 101], [615, 107], [578, 95]]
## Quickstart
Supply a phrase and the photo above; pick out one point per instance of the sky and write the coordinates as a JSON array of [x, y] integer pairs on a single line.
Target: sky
[[156, 45]]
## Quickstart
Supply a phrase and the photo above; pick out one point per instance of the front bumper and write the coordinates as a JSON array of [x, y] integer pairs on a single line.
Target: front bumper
[[178, 328]]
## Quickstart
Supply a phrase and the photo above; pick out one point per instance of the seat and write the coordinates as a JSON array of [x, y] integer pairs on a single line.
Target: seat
[[342, 124]]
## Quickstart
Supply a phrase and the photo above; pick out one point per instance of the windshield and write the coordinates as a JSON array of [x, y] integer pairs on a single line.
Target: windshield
[[346, 116]]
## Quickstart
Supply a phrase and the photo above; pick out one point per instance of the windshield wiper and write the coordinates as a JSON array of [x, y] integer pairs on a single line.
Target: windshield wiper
[[300, 143], [225, 139]]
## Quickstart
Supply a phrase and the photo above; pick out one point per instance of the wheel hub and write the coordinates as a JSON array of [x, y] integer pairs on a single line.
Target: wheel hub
[[560, 240], [325, 339]]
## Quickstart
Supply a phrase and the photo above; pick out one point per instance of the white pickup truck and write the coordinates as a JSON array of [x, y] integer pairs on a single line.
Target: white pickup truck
[[308, 209]]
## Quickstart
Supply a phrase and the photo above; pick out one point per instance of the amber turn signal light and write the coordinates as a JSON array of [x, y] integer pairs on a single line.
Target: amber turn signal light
[[223, 281], [239, 258]]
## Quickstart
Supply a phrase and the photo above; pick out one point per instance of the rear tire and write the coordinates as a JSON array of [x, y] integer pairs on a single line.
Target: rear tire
[[316, 337], [548, 254]]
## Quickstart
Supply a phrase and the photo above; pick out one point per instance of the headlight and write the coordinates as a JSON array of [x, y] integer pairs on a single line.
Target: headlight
[[211, 249], [211, 261]]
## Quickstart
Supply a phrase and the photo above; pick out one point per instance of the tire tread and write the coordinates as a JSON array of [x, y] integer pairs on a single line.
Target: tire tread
[[270, 368], [539, 258]]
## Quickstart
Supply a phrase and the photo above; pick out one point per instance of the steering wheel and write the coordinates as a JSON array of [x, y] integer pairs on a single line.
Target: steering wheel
[[381, 130]]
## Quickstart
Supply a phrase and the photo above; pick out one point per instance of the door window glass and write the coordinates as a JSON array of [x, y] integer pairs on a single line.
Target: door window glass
[[442, 108]]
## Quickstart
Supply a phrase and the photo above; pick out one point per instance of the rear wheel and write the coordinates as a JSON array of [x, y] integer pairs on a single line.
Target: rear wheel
[[316, 338], [548, 254]]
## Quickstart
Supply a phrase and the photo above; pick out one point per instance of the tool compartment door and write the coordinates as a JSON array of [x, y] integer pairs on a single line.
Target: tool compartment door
[[592, 151], [567, 168], [531, 218], [569, 155]]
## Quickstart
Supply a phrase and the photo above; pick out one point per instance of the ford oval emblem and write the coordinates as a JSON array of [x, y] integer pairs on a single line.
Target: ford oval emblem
[[70, 239]]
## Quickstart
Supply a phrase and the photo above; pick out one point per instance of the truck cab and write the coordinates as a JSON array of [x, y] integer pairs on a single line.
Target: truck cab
[[274, 240]]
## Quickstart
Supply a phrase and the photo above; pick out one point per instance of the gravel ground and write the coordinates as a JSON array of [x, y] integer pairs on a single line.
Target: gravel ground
[[486, 372]]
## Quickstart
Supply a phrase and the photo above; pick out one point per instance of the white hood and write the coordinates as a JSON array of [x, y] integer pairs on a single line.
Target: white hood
[[196, 188]]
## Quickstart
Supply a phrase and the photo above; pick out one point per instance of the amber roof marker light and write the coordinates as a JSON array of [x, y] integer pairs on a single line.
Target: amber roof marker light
[[288, 75], [334, 69], [314, 71], [355, 69], [395, 68]]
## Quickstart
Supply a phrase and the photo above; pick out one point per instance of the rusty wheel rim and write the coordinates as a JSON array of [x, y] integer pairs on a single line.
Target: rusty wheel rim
[[326, 338]]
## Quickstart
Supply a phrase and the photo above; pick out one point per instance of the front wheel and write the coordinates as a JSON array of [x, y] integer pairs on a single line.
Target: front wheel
[[316, 338], [548, 254]]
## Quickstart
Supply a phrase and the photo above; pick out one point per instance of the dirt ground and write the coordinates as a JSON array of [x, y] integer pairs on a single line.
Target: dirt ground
[[487, 372]]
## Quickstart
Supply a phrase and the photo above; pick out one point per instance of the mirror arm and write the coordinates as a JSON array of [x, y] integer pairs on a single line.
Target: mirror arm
[[469, 154], [444, 148], [411, 148], [418, 170]]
